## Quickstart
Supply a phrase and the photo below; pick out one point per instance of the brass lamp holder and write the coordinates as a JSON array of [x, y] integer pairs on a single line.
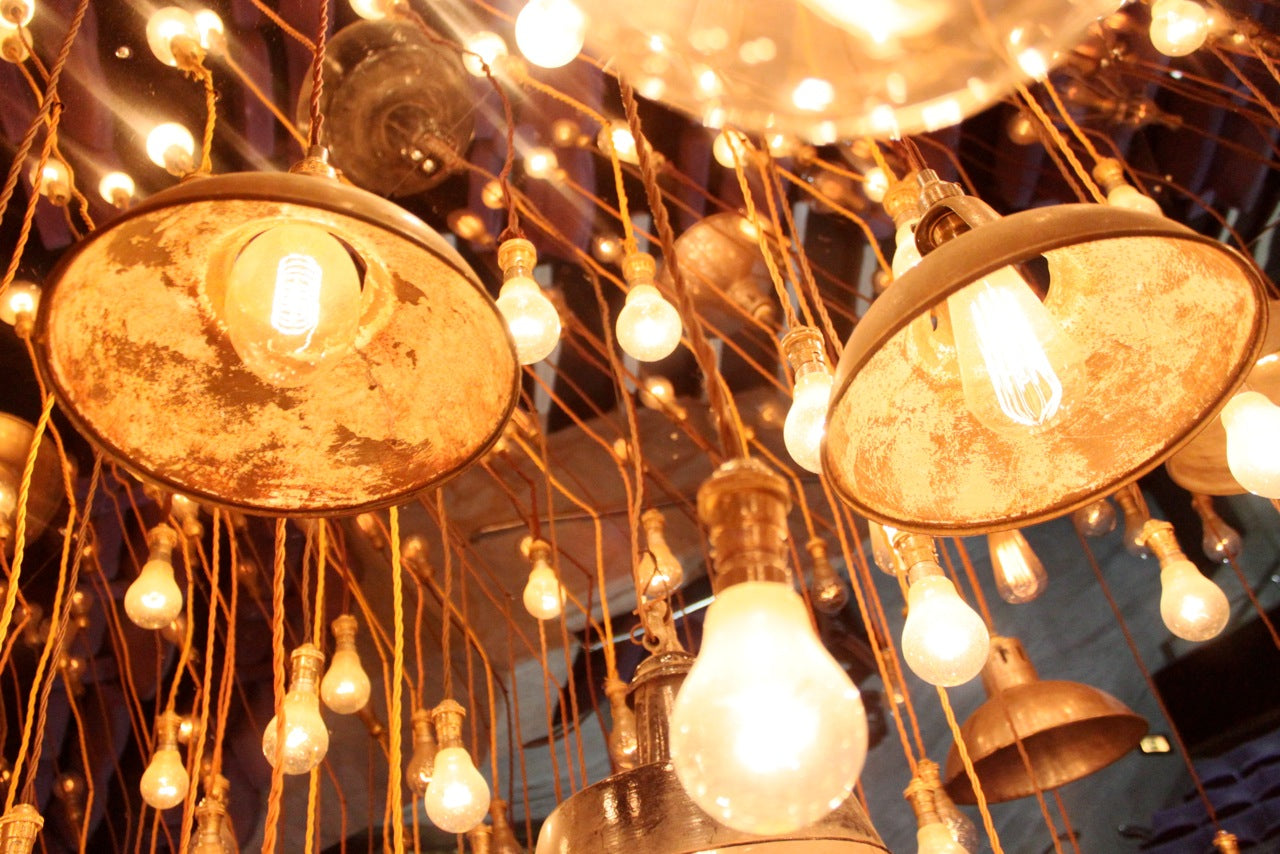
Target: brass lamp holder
[[447, 718], [1157, 536], [305, 664], [744, 506]]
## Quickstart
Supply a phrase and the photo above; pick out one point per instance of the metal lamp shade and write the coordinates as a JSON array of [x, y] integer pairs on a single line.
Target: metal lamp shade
[[1068, 730], [1201, 466], [131, 341], [725, 272], [1168, 321]]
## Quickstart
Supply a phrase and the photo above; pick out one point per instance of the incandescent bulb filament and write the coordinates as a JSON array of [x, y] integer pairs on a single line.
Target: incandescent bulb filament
[[154, 599], [1192, 606], [345, 688]]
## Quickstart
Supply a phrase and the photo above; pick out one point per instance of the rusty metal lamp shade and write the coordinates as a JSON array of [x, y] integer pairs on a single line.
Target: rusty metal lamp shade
[[725, 272], [399, 109], [1069, 730], [46, 493], [1201, 466], [1168, 322], [131, 340]]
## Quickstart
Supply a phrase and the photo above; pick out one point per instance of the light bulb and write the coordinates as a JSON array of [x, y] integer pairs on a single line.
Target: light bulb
[[875, 183], [117, 188], [543, 596], [154, 599], [187, 512], [165, 782], [292, 305], [648, 326], [171, 147], [372, 10], [18, 13], [485, 48], [607, 248], [345, 687], [960, 826], [458, 797], [1096, 519], [1124, 196], [623, 741], [550, 33], [906, 254], [531, 318], [306, 738], [882, 551], [806, 421], [167, 29], [422, 762], [1020, 576], [1192, 606], [1178, 27], [18, 304], [1253, 442], [944, 640], [1220, 542], [830, 594], [13, 45], [1135, 513], [492, 196], [212, 31], [53, 181], [660, 570], [1014, 357], [540, 162], [616, 136], [728, 149], [768, 733], [935, 838]]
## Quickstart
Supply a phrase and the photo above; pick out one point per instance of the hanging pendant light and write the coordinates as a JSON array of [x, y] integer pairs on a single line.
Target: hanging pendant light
[[1068, 730], [1145, 331], [646, 808], [158, 358]]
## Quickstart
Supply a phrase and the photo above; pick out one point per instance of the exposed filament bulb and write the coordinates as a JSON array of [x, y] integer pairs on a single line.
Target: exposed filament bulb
[[295, 304]]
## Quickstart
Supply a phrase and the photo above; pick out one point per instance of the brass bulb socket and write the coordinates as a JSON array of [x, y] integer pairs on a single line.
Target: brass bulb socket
[[167, 725], [902, 200], [1157, 535], [305, 663], [344, 628], [1109, 173], [804, 348], [744, 505], [162, 539], [423, 729], [447, 717], [315, 163], [516, 256], [917, 554], [639, 268], [919, 795], [653, 521]]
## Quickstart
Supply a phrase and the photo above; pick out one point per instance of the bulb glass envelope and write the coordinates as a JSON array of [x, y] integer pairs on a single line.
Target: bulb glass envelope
[[1168, 321], [1201, 466], [825, 69], [132, 340]]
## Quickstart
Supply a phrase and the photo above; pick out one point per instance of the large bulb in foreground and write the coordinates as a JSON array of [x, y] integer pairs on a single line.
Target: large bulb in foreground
[[649, 327], [154, 599], [550, 33], [306, 738], [345, 687], [944, 640], [1015, 359], [1192, 606], [1252, 422], [1178, 27], [292, 305], [1020, 576], [768, 733]]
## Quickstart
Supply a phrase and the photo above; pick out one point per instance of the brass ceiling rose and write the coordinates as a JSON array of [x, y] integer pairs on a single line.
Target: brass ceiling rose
[[1068, 730], [1201, 466], [132, 338], [1167, 323]]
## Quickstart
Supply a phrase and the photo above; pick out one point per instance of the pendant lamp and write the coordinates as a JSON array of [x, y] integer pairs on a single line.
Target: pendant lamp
[[1068, 730], [1032, 363], [165, 349]]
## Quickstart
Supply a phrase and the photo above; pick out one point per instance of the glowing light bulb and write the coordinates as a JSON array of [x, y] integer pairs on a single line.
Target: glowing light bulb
[[616, 136], [550, 33], [935, 838], [906, 254], [18, 13], [213, 35], [728, 149], [624, 741], [345, 687], [531, 318], [19, 303], [292, 305], [53, 181], [607, 248], [766, 710], [882, 551], [944, 640], [171, 147], [1096, 519], [806, 422], [882, 22], [492, 196], [486, 48], [1178, 27], [154, 599], [306, 738], [660, 570], [829, 592], [372, 10], [540, 162], [1136, 517], [544, 596], [458, 797], [1192, 606], [1014, 357], [1220, 542], [1253, 442], [1124, 196], [170, 32], [875, 184], [117, 188], [648, 326], [165, 782], [1020, 576], [813, 94], [422, 762], [961, 828]]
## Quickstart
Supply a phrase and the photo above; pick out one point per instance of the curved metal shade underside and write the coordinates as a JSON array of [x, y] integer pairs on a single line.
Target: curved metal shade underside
[[133, 346], [1167, 321], [645, 809], [1202, 465]]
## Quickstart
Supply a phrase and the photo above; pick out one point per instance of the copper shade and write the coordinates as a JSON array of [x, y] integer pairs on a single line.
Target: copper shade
[[1069, 730], [131, 340], [725, 272], [1202, 465], [1168, 323], [46, 493]]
